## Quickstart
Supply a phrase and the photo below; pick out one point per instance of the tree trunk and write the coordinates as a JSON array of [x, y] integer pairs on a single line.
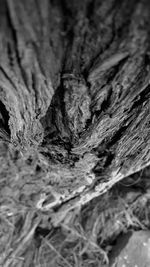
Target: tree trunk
[[74, 101]]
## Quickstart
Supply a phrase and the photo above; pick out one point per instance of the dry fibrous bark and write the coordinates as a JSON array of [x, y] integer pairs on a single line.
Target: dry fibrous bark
[[74, 92]]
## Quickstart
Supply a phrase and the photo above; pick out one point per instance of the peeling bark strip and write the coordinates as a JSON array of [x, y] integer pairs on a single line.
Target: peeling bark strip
[[75, 89]]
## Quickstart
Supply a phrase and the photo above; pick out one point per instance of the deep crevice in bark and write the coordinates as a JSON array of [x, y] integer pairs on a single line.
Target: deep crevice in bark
[[4, 118]]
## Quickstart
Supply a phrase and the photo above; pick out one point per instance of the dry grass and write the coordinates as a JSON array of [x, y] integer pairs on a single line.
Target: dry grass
[[28, 239]]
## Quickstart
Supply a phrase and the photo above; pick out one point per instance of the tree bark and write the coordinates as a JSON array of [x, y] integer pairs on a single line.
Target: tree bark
[[75, 98]]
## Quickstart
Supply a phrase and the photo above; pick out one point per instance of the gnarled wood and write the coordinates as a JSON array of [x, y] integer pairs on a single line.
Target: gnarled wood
[[75, 84]]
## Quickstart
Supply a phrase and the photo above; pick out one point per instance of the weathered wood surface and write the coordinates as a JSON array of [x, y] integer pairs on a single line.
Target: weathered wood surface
[[75, 96]]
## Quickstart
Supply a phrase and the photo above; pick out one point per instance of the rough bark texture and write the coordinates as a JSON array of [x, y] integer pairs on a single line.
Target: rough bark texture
[[74, 100]]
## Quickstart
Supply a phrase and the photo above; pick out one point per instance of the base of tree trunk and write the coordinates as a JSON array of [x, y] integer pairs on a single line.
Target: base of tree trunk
[[74, 128]]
